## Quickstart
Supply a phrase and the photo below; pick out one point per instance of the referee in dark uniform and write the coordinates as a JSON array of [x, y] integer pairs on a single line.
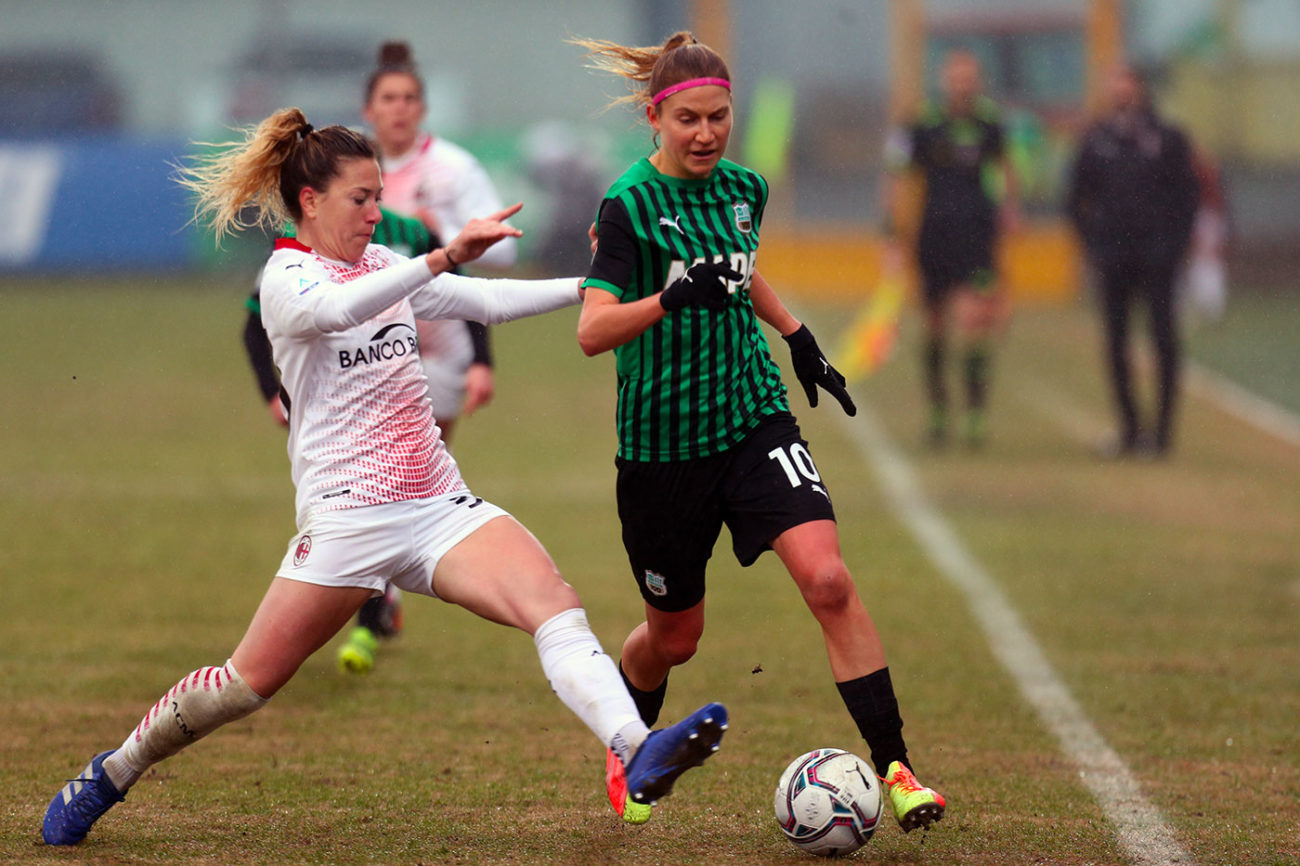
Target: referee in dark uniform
[[1133, 196], [970, 192]]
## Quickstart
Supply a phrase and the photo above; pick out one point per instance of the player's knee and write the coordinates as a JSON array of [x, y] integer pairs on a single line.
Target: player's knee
[[678, 650], [676, 646], [544, 599], [828, 590], [562, 596]]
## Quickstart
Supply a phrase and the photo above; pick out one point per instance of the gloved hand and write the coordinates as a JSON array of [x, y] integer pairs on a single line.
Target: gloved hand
[[703, 285], [812, 369]]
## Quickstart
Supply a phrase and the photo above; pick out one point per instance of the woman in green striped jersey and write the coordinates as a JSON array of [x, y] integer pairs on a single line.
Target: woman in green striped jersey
[[706, 437]]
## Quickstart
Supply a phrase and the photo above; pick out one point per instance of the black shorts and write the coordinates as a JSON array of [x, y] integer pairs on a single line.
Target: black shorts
[[955, 256], [672, 513]]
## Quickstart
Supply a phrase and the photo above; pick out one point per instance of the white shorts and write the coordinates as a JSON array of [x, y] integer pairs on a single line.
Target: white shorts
[[397, 542]]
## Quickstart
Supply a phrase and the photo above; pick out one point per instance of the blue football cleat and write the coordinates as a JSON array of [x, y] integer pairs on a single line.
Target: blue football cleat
[[78, 805], [669, 752]]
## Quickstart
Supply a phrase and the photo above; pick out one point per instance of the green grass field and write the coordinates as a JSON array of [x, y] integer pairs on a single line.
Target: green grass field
[[145, 502]]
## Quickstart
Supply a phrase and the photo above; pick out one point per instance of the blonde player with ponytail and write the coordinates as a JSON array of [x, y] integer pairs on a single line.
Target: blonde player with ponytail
[[379, 499], [706, 437]]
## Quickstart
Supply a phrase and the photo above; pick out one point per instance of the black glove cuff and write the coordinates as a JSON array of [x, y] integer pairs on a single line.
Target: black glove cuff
[[800, 339]]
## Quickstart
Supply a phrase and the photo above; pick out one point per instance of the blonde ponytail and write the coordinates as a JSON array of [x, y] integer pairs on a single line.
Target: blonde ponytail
[[244, 174], [255, 183], [651, 69]]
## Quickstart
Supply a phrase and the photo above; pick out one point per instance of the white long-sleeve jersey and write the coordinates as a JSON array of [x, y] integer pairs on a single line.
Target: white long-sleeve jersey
[[343, 335], [444, 178]]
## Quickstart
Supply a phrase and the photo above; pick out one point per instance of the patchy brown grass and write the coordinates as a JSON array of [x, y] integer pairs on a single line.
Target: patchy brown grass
[[152, 504]]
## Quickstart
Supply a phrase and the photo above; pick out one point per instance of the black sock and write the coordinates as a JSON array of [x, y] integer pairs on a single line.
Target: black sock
[[874, 708], [648, 704], [933, 366], [371, 615]]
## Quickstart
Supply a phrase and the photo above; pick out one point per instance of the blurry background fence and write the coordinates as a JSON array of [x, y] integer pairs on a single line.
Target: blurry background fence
[[97, 100]]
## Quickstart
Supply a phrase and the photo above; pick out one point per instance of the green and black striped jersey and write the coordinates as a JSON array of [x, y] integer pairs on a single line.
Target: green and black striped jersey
[[700, 380]]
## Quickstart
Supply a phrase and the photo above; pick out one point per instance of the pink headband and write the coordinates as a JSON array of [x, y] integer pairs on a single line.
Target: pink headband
[[694, 82]]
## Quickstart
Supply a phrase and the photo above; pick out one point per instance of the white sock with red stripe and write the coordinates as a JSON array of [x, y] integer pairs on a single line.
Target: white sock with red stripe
[[195, 707], [587, 681]]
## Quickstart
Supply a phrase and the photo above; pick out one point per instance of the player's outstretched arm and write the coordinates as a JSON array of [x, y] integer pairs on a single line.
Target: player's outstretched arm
[[492, 301]]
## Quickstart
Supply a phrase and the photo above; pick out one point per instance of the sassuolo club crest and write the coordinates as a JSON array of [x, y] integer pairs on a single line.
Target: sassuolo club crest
[[655, 583], [744, 221]]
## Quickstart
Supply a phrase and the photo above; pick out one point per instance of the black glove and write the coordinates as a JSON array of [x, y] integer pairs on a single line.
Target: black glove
[[812, 369], [703, 285]]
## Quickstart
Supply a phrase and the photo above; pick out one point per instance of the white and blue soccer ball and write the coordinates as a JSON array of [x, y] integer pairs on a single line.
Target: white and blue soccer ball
[[828, 802]]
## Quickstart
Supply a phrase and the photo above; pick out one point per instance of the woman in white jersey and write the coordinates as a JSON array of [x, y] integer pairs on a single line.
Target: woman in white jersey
[[379, 499]]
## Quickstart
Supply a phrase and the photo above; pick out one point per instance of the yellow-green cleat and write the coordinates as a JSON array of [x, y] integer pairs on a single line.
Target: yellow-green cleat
[[357, 655], [628, 809], [914, 804]]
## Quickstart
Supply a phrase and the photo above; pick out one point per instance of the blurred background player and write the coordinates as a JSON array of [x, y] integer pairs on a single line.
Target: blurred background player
[[1133, 197], [380, 617], [444, 186], [378, 496], [705, 432], [970, 194]]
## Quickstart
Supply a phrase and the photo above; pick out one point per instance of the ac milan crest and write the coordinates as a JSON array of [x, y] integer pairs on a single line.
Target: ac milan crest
[[302, 550]]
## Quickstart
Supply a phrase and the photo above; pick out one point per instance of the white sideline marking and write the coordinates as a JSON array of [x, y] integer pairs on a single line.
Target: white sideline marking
[[1056, 407], [1226, 395], [1140, 829], [1244, 405]]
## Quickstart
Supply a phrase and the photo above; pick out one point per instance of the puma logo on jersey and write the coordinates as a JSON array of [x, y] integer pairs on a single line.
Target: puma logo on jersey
[[674, 223]]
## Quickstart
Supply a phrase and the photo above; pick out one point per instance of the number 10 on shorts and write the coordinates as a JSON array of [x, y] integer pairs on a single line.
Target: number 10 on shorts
[[795, 464]]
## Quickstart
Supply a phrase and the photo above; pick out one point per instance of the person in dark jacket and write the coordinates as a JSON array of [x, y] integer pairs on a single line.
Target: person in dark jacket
[[1132, 197]]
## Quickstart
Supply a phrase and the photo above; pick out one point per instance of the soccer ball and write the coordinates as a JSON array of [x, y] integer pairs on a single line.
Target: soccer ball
[[828, 802]]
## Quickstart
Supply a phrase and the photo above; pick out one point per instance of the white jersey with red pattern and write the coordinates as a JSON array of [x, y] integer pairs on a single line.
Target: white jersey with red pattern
[[360, 431], [446, 180], [343, 335]]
